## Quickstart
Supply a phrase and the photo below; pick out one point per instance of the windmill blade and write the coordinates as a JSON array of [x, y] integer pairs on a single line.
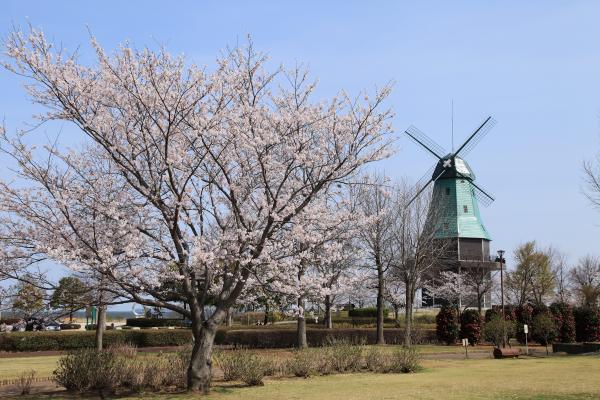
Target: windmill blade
[[482, 195], [422, 189], [425, 141], [425, 178], [476, 137]]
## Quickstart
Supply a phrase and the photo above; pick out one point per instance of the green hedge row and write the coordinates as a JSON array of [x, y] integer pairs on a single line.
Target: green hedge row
[[354, 321], [40, 341], [249, 338], [286, 338], [366, 312], [156, 322]]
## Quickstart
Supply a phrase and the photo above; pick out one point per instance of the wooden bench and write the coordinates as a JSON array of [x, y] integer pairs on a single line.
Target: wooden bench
[[506, 352]]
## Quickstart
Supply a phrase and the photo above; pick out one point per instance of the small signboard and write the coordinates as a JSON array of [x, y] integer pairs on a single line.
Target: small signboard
[[465, 342], [525, 328]]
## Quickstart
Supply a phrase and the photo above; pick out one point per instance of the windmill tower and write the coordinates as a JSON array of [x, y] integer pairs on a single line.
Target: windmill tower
[[455, 202]]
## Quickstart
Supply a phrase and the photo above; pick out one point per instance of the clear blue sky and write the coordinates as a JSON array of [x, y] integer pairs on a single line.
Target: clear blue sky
[[534, 66]]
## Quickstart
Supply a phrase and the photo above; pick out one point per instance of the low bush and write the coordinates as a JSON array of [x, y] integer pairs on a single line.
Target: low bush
[[587, 324], [118, 367], [65, 327], [564, 321], [470, 326], [544, 329], [494, 330], [344, 355], [88, 369], [303, 364], [376, 360], [245, 366], [25, 380], [447, 325], [366, 312], [405, 360], [157, 322]]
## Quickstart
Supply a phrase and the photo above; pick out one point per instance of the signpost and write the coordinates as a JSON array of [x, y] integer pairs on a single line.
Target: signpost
[[526, 330], [465, 343]]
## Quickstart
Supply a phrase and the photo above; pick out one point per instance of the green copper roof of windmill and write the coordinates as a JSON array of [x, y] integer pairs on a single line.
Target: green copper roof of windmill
[[455, 194]]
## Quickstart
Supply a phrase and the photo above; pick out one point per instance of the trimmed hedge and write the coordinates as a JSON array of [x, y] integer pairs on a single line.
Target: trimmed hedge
[[286, 338], [367, 312], [470, 326], [64, 327], [447, 325], [40, 341], [247, 338], [587, 324], [564, 321], [156, 322], [354, 321]]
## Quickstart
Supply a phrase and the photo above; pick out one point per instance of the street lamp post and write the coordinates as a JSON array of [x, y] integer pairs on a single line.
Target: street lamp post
[[501, 260]]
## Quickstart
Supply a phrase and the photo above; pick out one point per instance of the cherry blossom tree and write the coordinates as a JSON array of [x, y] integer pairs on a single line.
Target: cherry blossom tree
[[197, 181]]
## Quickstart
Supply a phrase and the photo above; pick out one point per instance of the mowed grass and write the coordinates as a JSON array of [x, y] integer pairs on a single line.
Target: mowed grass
[[11, 368], [531, 379]]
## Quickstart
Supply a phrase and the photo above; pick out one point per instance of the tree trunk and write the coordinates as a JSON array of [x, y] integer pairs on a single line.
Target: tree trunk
[[408, 316], [266, 318], [71, 317], [229, 317], [328, 321], [396, 315], [380, 305], [100, 324], [199, 369], [301, 330]]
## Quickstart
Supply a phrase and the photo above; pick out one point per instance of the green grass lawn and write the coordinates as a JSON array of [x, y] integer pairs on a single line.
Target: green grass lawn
[[540, 379]]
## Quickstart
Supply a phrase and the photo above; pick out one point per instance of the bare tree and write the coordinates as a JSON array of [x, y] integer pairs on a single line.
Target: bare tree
[[591, 170], [586, 280], [374, 200], [562, 274], [418, 250]]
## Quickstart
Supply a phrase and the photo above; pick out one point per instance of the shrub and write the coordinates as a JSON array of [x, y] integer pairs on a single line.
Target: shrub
[[157, 322], [447, 325], [88, 369], [64, 327], [367, 312], [24, 382], [244, 366], [544, 329], [524, 314], [344, 355], [470, 326], [405, 360], [493, 331], [564, 321], [303, 365], [587, 324], [376, 360]]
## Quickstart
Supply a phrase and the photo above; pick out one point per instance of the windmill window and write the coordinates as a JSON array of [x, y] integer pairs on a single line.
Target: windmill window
[[447, 191], [446, 226], [466, 209]]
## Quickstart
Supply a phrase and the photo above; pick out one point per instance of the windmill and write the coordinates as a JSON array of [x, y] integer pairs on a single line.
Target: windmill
[[455, 201]]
